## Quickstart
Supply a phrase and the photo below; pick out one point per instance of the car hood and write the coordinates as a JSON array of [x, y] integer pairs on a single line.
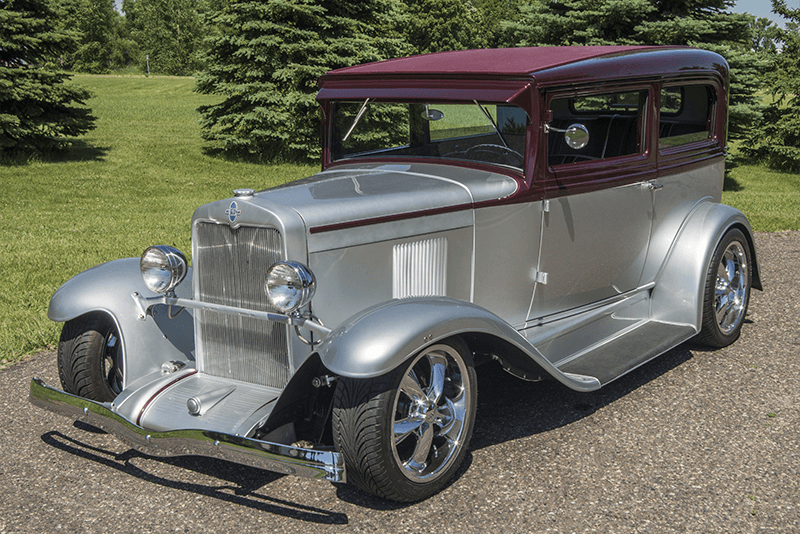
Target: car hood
[[319, 212], [353, 193]]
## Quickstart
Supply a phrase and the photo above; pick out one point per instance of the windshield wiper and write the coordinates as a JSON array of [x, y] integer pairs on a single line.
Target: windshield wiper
[[355, 121], [491, 121]]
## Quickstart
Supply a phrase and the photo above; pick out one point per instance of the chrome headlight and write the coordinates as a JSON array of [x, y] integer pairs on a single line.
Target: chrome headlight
[[289, 285], [162, 268]]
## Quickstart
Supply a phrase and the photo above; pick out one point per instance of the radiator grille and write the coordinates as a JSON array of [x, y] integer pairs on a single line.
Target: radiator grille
[[230, 266], [419, 269]]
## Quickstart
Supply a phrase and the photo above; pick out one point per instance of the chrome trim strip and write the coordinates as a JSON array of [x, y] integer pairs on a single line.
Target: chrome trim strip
[[144, 304], [251, 452]]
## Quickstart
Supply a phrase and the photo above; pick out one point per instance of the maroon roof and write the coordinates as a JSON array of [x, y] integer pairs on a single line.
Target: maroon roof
[[493, 62], [503, 74]]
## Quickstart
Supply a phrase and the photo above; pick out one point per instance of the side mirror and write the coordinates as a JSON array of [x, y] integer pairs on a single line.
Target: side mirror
[[576, 136]]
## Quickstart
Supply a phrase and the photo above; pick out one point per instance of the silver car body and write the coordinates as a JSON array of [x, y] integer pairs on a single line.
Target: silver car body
[[580, 282]]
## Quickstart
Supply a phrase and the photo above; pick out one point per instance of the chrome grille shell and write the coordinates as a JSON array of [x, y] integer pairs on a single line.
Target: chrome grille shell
[[229, 267]]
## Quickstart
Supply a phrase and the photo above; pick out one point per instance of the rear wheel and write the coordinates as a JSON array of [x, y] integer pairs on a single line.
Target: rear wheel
[[727, 291], [90, 358], [404, 434]]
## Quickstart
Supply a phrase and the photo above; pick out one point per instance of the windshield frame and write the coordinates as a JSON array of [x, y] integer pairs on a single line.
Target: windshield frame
[[495, 152]]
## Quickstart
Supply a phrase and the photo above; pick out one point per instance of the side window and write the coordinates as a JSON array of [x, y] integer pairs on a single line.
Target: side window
[[686, 115], [613, 121]]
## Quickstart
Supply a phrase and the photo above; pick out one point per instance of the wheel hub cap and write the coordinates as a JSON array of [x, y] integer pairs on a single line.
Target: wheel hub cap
[[430, 413]]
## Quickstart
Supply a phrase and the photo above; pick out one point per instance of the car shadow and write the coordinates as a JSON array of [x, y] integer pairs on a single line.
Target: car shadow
[[240, 482], [509, 408]]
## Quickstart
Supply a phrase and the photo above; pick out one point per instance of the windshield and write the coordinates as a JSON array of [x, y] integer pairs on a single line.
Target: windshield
[[477, 131]]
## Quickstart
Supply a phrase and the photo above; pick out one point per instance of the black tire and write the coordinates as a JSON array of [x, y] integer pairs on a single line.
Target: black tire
[[435, 427], [90, 358], [727, 291]]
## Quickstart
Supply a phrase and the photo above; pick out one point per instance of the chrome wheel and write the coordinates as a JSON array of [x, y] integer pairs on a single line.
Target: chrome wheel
[[430, 413], [727, 291], [731, 288], [404, 434]]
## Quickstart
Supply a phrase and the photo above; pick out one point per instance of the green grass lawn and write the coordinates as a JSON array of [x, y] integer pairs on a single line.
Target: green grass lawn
[[132, 182], [137, 178], [770, 199]]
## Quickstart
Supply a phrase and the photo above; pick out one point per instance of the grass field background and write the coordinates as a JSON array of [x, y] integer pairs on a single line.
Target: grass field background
[[137, 178], [132, 182]]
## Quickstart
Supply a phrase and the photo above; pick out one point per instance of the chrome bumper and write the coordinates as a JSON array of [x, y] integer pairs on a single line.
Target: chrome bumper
[[252, 452]]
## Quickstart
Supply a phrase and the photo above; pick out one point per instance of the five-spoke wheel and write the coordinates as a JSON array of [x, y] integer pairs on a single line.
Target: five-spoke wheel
[[404, 434]]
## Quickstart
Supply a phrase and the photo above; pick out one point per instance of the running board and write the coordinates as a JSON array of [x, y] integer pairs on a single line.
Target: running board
[[619, 355]]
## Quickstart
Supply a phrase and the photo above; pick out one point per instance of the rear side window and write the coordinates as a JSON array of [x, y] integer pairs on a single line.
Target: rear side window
[[686, 115], [614, 122]]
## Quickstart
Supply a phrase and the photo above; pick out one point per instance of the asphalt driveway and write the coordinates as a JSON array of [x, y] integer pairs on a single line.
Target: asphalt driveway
[[696, 441]]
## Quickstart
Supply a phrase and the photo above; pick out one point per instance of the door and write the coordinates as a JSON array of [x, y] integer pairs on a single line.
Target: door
[[597, 220]]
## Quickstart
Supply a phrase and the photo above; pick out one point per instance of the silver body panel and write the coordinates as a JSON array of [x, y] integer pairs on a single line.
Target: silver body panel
[[593, 247], [109, 288], [577, 270]]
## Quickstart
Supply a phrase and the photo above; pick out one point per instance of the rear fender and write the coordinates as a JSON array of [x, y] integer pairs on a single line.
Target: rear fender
[[678, 293], [109, 289], [380, 338]]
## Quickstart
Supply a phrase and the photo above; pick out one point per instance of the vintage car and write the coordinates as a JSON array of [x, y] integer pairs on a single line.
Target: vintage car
[[556, 210]]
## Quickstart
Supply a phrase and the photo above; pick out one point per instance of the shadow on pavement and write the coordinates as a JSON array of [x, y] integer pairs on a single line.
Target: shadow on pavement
[[242, 481], [509, 408]]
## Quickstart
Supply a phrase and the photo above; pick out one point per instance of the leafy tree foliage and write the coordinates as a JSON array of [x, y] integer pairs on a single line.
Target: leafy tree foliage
[[492, 14], [265, 58], [765, 35], [701, 23], [37, 108], [97, 26], [168, 33], [776, 140], [442, 25]]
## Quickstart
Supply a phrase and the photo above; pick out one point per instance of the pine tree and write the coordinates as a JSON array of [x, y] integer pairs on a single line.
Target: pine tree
[[493, 13], [776, 139], [265, 59], [37, 108], [442, 25], [700, 23]]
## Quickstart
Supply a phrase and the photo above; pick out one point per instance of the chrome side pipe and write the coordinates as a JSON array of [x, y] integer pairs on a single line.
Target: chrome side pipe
[[274, 457]]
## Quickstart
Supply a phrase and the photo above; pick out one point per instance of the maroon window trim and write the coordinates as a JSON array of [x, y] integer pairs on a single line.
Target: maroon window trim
[[581, 177]]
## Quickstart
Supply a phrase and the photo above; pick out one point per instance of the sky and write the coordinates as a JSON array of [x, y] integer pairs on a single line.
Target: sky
[[763, 8]]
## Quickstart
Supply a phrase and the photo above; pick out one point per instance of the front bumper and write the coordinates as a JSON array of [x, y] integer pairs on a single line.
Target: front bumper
[[251, 452]]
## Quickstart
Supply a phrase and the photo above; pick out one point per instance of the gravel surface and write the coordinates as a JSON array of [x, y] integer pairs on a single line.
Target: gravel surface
[[696, 441]]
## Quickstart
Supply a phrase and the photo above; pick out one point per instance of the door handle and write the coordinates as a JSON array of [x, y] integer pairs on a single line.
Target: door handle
[[654, 186]]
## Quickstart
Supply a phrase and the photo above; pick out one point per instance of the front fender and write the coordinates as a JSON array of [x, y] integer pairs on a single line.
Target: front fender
[[678, 293], [109, 288], [382, 337]]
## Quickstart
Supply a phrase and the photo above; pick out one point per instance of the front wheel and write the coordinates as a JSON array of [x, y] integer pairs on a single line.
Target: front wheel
[[90, 358], [727, 291], [404, 434]]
